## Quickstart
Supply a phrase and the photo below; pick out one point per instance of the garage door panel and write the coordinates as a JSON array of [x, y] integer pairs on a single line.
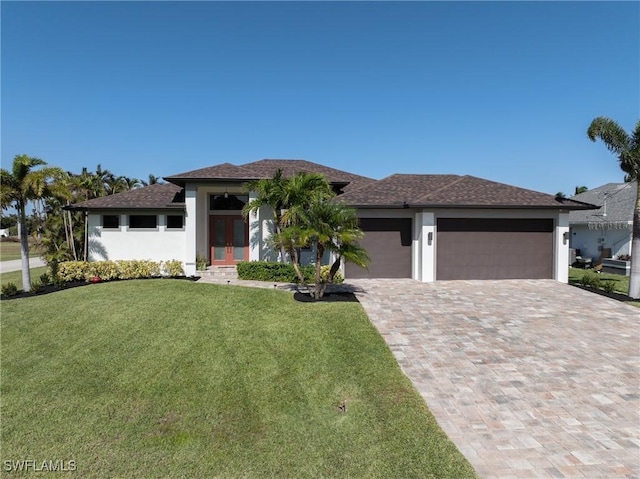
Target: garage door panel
[[496, 254], [388, 242]]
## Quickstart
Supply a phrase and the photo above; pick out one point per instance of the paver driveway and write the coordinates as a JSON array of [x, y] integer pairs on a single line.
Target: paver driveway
[[528, 378]]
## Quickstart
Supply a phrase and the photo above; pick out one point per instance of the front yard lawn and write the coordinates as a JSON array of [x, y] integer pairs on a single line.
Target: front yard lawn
[[169, 378]]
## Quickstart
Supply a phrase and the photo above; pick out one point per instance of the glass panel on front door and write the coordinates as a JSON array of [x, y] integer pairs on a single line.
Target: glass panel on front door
[[238, 240], [219, 240]]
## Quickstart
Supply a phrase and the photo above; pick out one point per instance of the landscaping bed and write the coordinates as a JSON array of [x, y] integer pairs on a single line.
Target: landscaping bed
[[614, 286]]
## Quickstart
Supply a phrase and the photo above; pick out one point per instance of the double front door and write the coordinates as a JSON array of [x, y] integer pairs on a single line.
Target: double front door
[[229, 238]]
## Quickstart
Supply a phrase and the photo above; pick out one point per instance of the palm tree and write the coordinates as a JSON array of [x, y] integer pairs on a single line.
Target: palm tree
[[627, 148], [581, 189], [153, 179], [17, 188], [328, 225]]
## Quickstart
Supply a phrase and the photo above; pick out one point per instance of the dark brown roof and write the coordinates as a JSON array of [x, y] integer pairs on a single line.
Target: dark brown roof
[[266, 169], [451, 191], [444, 191], [223, 171], [157, 196]]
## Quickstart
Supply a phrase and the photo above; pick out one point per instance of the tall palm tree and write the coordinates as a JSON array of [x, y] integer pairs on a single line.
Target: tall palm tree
[[627, 148], [17, 188], [581, 189]]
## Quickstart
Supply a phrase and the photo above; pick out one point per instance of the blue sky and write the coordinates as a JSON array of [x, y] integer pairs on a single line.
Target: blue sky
[[500, 90]]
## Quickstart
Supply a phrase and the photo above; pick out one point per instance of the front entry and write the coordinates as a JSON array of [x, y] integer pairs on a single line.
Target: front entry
[[229, 239]]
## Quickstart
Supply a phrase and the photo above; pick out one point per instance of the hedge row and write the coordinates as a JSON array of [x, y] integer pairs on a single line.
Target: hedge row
[[123, 269], [281, 272]]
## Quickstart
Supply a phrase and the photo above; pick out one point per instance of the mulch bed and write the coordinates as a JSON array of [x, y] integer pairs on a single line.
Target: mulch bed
[[617, 296], [327, 298]]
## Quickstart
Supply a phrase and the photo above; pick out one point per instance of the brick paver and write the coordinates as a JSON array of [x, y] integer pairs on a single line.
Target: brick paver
[[528, 378]]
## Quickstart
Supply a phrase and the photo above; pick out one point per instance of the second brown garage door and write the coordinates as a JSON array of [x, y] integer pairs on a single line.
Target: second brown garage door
[[388, 242], [476, 248]]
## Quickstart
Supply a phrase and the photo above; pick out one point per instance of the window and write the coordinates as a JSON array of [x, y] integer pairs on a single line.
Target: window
[[227, 202], [111, 221], [175, 222], [143, 221]]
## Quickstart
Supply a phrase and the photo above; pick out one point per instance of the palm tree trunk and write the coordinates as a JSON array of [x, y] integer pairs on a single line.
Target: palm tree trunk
[[634, 279], [319, 289], [24, 248]]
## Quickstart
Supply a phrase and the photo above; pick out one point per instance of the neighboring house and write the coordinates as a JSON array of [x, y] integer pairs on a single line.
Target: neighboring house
[[607, 230], [426, 227]]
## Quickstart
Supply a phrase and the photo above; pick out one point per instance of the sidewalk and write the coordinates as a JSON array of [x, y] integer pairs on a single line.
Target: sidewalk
[[16, 264]]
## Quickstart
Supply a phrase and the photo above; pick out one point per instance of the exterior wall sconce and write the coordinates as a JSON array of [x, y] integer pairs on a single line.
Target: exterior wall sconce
[[226, 194], [565, 237], [430, 238]]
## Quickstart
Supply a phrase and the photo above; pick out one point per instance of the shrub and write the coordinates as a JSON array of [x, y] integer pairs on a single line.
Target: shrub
[[136, 269], [9, 289], [72, 271], [590, 279], [201, 262], [105, 270], [272, 271], [173, 268], [324, 274], [609, 286], [36, 286], [46, 279], [282, 272]]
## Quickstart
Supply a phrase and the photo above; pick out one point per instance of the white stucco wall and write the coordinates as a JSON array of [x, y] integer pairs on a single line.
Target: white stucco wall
[[159, 244], [588, 240]]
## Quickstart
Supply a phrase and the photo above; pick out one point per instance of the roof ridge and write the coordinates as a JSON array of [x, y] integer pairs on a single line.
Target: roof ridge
[[455, 181]]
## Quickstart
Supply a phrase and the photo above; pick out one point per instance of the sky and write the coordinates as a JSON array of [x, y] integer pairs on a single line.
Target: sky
[[499, 90]]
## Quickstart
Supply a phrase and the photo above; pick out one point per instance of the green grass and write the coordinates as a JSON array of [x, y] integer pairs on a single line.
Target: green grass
[[168, 378], [11, 250], [15, 277], [620, 282]]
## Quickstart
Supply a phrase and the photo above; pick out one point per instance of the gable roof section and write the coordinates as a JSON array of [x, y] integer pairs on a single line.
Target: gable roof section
[[449, 191], [618, 206], [157, 196], [266, 169]]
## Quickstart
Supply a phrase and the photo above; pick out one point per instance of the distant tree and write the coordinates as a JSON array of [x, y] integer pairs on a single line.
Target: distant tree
[[23, 184], [8, 221], [627, 148], [152, 180], [581, 189], [560, 195]]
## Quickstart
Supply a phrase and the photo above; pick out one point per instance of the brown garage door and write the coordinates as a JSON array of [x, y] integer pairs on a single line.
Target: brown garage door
[[474, 248], [388, 242]]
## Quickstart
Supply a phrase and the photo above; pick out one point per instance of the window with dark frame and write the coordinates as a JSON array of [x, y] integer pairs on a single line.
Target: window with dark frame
[[175, 222], [228, 202], [111, 221], [143, 221]]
